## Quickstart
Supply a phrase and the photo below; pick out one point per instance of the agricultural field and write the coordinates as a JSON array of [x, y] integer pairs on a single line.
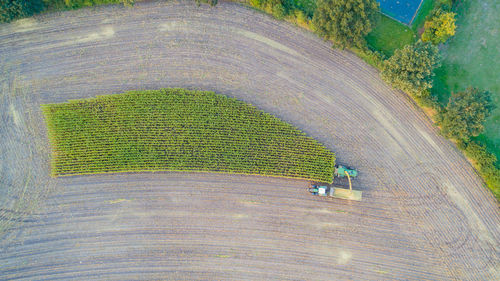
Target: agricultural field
[[470, 59], [425, 213], [179, 130]]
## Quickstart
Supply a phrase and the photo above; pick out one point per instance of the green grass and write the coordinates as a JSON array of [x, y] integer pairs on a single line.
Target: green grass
[[471, 58], [306, 6], [179, 130], [425, 8], [389, 35]]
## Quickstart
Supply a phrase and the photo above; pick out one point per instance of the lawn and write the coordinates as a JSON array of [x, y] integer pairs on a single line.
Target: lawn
[[425, 8], [471, 58], [179, 130], [389, 35]]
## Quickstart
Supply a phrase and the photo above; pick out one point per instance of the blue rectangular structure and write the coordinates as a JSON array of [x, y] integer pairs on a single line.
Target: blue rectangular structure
[[401, 10]]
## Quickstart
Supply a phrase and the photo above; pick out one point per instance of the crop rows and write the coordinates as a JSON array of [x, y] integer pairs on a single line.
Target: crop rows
[[179, 130]]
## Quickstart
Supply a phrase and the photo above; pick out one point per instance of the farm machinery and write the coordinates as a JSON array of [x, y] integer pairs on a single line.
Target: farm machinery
[[338, 192]]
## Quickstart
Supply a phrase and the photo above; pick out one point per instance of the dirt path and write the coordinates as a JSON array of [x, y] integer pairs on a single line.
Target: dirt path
[[425, 215]]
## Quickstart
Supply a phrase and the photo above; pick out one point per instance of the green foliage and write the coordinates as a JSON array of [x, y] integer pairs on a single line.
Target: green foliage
[[179, 130], [373, 58], [470, 59], [14, 9], [439, 27], [273, 7], [307, 7], [411, 68], [484, 162], [278, 11], [296, 11], [300, 18], [465, 113], [212, 3], [74, 4], [345, 22], [426, 8]]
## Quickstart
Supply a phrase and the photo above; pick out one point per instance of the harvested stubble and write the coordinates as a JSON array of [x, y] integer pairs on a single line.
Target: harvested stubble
[[179, 130]]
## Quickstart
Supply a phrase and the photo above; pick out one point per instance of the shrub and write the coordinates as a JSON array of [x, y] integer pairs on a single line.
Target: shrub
[[278, 11], [14, 9], [212, 3], [74, 4], [374, 58], [273, 7], [485, 163], [300, 18]]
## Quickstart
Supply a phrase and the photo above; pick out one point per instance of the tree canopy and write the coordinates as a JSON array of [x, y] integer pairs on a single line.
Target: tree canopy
[[465, 113], [346, 22], [411, 69], [14, 9], [440, 27]]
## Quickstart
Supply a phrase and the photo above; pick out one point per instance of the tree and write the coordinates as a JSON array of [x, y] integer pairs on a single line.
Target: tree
[[13, 9], [346, 22], [465, 113], [274, 7], [411, 69], [440, 27]]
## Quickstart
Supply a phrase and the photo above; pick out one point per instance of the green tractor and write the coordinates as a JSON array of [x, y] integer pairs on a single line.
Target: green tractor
[[342, 171], [338, 192]]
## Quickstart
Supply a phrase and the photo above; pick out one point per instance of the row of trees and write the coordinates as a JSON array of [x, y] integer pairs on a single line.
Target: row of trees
[[411, 69], [15, 9], [347, 22]]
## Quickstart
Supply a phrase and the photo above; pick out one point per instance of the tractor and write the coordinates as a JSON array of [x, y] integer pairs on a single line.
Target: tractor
[[338, 192]]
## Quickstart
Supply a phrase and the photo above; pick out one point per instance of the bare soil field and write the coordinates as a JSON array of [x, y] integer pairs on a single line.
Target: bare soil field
[[424, 216]]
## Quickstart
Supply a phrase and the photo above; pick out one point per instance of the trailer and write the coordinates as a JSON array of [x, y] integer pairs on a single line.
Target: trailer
[[339, 192]]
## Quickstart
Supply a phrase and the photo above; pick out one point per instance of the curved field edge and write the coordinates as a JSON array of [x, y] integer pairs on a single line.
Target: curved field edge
[[425, 217], [179, 130]]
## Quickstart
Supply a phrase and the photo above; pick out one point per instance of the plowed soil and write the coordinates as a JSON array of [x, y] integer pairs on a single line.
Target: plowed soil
[[424, 216]]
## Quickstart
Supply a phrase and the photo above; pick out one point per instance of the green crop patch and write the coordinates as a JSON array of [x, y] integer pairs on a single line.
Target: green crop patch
[[179, 130]]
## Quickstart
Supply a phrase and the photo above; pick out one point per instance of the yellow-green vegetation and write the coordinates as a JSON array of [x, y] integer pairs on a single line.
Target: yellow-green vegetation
[[439, 27], [485, 163], [15, 9], [179, 130]]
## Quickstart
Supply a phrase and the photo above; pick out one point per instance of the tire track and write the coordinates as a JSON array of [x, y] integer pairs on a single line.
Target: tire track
[[425, 215]]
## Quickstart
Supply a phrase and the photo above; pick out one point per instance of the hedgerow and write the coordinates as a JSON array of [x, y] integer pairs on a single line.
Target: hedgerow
[[179, 130]]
